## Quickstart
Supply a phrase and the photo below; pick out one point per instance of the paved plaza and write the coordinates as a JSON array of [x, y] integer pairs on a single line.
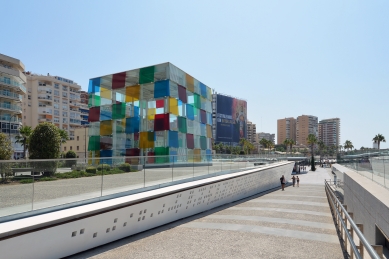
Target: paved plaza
[[295, 223]]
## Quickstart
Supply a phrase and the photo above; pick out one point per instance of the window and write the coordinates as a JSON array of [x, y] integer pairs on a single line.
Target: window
[[64, 148], [29, 97], [56, 92], [64, 102], [65, 114], [64, 107], [65, 94], [56, 112], [78, 138], [71, 148], [78, 148], [56, 86], [56, 105]]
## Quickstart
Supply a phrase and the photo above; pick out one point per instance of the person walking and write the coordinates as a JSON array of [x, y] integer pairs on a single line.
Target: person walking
[[298, 182], [282, 179], [294, 180]]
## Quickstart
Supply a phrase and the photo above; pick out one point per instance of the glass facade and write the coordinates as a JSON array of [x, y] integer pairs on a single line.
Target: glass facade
[[153, 111]]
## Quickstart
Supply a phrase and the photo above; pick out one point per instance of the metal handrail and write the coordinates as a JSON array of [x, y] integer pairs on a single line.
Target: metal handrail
[[333, 199]]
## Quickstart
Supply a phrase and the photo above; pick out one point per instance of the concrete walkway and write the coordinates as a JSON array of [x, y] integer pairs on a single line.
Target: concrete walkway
[[295, 223]]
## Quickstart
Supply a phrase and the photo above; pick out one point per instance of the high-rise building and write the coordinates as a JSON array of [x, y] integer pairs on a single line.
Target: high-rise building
[[251, 132], [286, 129], [79, 144], [329, 131], [267, 136], [52, 99], [305, 125], [12, 90], [84, 97]]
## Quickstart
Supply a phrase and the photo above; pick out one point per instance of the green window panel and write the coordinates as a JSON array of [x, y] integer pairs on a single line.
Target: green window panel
[[197, 101], [94, 100], [182, 125], [94, 143], [118, 110], [162, 155], [203, 143], [146, 75]]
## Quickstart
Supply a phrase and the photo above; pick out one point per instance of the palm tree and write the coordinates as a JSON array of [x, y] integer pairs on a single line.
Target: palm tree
[[291, 143], [270, 145], [23, 137], [348, 145], [322, 146], [378, 139], [312, 140], [287, 143], [263, 142]]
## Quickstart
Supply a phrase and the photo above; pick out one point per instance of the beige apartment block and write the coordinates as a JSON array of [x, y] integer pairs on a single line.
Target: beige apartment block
[[267, 136], [79, 144], [251, 132], [286, 128], [305, 125], [52, 99], [12, 90], [329, 131]]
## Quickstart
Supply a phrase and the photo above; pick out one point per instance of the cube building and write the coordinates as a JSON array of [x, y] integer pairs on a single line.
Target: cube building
[[159, 112]]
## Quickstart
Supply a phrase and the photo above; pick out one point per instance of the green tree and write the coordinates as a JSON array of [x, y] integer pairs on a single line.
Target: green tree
[[270, 145], [378, 139], [312, 140], [348, 145], [23, 138], [71, 154], [6, 152], [264, 142], [322, 147], [45, 143], [246, 145]]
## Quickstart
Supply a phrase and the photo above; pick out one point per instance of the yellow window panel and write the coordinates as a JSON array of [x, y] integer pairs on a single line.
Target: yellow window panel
[[150, 113], [105, 128], [132, 93], [189, 83], [173, 106], [106, 93]]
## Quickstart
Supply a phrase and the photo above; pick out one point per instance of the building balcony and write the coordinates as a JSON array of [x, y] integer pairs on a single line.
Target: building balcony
[[6, 119], [12, 83], [45, 111], [10, 107], [75, 121], [45, 97], [10, 95]]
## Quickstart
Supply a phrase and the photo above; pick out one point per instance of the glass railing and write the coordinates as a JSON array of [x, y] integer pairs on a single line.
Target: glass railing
[[373, 164], [31, 185], [10, 82], [9, 106], [11, 95], [6, 118]]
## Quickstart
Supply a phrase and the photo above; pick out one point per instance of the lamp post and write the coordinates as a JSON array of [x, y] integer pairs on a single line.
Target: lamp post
[[85, 127]]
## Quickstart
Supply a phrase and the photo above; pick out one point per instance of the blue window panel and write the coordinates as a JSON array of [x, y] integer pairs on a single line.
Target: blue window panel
[[136, 111], [105, 115], [132, 125], [203, 90], [203, 130], [209, 118], [190, 112], [173, 156], [106, 153], [208, 153], [94, 85], [173, 139], [161, 89]]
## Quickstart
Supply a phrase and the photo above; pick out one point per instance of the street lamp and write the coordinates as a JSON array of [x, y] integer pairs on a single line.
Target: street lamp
[[85, 127]]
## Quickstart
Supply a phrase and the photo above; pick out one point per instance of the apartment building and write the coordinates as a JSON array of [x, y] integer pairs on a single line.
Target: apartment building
[[52, 99], [251, 132], [267, 136], [79, 144], [329, 131], [305, 125], [12, 90], [286, 128]]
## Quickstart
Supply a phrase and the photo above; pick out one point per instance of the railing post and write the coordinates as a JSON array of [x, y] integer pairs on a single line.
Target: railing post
[[379, 249], [360, 226]]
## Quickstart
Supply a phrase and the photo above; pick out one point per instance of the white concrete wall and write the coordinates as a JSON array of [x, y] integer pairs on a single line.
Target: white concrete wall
[[368, 201], [77, 231]]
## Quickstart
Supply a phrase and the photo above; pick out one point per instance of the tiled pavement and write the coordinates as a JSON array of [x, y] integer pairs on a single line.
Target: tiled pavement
[[295, 223]]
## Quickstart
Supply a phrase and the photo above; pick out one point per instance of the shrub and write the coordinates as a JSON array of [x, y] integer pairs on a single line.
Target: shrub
[[6, 153], [70, 154], [26, 181], [91, 170], [104, 167], [125, 167], [44, 179]]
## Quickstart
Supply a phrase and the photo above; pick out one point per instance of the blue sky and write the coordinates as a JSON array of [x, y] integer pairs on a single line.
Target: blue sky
[[286, 58]]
